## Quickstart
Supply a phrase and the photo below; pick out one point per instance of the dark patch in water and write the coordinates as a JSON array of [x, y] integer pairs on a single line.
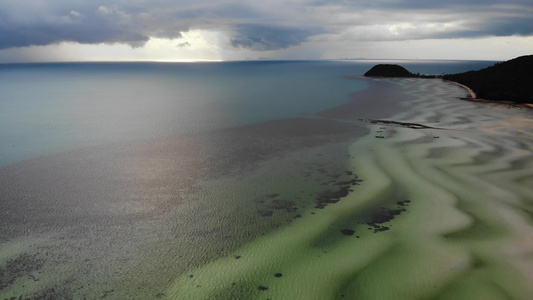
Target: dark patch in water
[[22, 266], [282, 204], [278, 275], [329, 197], [477, 263], [273, 203], [262, 288], [354, 181], [347, 231], [385, 215], [333, 196]]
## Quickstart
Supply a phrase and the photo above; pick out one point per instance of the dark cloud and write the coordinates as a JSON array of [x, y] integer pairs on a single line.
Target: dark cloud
[[509, 26], [492, 26], [254, 24], [262, 38], [184, 44], [88, 24], [470, 5], [50, 34]]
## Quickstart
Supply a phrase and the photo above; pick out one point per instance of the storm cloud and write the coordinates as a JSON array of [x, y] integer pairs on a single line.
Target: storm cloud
[[257, 25], [262, 38]]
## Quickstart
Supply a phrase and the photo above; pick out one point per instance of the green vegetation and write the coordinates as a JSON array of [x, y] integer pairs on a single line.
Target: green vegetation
[[390, 70], [511, 80], [387, 70]]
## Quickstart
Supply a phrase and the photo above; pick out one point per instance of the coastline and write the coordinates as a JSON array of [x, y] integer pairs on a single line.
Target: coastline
[[473, 97], [381, 99]]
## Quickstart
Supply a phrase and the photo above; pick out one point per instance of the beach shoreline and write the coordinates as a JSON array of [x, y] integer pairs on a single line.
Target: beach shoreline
[[469, 90], [473, 98], [381, 99]]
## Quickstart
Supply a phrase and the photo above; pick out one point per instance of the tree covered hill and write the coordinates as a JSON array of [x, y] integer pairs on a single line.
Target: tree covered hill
[[391, 70], [511, 80], [388, 70]]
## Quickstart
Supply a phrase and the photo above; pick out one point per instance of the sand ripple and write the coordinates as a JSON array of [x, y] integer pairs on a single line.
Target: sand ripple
[[467, 232]]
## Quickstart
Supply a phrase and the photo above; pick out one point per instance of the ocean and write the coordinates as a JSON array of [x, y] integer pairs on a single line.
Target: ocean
[[259, 179], [46, 108]]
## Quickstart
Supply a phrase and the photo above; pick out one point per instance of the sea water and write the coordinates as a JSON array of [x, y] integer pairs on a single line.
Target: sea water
[[46, 108], [132, 180]]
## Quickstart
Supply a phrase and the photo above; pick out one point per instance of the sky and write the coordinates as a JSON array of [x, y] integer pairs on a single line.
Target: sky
[[214, 30]]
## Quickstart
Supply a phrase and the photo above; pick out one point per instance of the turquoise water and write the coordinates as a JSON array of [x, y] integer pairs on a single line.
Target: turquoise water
[[46, 108]]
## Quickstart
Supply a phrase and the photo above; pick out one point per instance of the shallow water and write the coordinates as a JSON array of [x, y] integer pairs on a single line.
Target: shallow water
[[443, 213], [49, 108], [309, 206]]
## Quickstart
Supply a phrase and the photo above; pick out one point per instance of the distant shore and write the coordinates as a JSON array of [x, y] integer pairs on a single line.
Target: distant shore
[[506, 83]]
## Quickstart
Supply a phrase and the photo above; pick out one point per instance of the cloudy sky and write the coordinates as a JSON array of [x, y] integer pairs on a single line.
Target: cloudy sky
[[188, 30]]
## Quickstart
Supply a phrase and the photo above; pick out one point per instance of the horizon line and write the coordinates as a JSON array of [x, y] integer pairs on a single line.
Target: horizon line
[[193, 61]]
